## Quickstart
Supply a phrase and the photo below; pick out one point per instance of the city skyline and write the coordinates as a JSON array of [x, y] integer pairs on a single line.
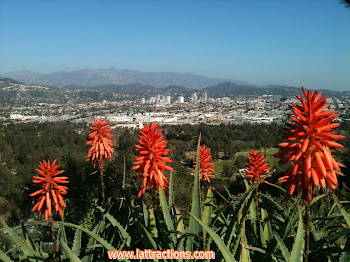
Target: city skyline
[[300, 43]]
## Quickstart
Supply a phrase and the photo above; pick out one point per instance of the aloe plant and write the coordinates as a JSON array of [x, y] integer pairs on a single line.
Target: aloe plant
[[230, 226]]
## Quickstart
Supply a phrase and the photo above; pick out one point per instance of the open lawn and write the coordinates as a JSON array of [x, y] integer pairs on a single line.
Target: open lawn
[[269, 155], [221, 163], [269, 158]]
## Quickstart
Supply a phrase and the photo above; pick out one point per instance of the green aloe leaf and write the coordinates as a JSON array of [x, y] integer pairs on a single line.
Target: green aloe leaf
[[284, 249], [208, 209], [276, 186], [4, 257], [72, 256], [245, 256], [171, 190], [268, 234], [315, 199], [145, 213], [93, 235], [277, 207], [116, 224], [194, 226], [89, 254], [284, 230], [225, 251], [77, 242], [240, 211], [345, 256], [150, 238], [332, 237], [29, 252], [152, 227], [167, 217], [342, 210], [29, 240], [298, 246]]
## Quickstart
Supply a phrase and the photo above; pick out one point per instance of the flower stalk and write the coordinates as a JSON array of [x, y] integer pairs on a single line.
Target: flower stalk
[[307, 233], [256, 168], [53, 235], [100, 146]]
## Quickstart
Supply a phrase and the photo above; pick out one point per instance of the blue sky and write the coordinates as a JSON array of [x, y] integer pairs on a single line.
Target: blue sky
[[305, 42]]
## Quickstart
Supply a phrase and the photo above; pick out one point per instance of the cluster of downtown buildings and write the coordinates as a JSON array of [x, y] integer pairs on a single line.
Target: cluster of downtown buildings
[[235, 110], [167, 99], [133, 111]]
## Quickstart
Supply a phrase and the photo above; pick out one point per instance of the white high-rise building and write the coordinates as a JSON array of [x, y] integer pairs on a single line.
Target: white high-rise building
[[194, 98], [143, 100], [152, 100], [181, 99], [167, 100], [205, 97]]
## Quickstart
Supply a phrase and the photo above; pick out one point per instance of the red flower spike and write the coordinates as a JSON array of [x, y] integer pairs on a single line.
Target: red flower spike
[[50, 189], [151, 158], [205, 165], [310, 137], [99, 143], [256, 167]]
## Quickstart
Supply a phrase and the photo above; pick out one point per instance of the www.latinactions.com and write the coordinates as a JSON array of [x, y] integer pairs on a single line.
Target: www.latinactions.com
[[158, 254]]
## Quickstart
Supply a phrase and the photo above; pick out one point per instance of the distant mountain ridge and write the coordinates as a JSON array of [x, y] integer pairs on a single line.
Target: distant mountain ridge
[[8, 81], [138, 89], [90, 77], [218, 90], [221, 89], [229, 88]]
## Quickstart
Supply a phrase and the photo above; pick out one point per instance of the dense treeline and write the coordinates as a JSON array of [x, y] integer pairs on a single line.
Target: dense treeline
[[23, 146], [228, 139]]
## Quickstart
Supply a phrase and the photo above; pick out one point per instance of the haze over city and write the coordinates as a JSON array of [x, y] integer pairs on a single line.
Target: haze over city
[[274, 42]]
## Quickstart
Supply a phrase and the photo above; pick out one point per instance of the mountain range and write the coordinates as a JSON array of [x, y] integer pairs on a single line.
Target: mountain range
[[149, 84], [221, 89], [90, 77], [218, 90]]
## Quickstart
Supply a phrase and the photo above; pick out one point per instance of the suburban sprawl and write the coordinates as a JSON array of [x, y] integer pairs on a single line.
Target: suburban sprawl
[[35, 103]]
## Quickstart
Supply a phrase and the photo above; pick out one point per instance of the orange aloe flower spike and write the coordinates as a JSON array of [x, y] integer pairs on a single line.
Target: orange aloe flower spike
[[49, 182], [205, 165], [256, 167], [151, 160], [310, 137], [99, 143]]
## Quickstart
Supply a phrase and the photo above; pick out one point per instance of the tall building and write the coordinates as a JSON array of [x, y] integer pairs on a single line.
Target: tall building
[[205, 98], [194, 98], [152, 100], [181, 99], [158, 100], [143, 100], [167, 100]]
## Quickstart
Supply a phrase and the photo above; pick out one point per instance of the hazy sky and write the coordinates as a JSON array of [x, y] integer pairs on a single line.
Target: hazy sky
[[305, 42]]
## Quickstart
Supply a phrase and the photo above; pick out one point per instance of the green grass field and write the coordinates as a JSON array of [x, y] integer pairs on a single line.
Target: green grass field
[[269, 158], [221, 163]]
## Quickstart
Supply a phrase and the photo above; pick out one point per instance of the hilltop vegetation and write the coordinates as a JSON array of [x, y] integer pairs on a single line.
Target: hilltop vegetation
[[22, 146]]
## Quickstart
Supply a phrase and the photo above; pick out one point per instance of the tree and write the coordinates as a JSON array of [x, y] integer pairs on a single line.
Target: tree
[[346, 3], [240, 162], [228, 171]]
